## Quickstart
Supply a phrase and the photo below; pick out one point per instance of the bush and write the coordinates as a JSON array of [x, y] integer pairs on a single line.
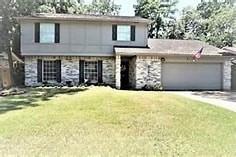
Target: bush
[[156, 87]]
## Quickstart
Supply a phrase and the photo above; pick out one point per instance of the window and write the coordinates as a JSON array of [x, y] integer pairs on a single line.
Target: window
[[50, 71], [123, 33], [91, 71], [47, 33]]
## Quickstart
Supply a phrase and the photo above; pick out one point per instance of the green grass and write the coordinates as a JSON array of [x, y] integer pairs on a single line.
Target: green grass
[[101, 121]]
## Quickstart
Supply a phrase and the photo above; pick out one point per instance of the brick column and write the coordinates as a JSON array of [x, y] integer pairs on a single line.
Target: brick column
[[118, 64]]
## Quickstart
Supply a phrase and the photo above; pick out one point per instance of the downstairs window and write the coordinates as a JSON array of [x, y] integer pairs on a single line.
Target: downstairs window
[[91, 71], [49, 71]]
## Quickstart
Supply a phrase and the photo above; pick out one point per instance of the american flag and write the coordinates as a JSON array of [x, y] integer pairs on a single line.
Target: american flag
[[198, 54]]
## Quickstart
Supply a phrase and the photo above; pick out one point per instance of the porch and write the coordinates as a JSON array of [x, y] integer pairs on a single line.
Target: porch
[[137, 71]]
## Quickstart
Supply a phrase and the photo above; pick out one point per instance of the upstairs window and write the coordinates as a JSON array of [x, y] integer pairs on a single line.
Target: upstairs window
[[123, 33], [47, 33]]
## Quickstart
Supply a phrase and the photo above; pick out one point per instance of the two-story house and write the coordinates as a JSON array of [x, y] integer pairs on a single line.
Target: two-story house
[[115, 50]]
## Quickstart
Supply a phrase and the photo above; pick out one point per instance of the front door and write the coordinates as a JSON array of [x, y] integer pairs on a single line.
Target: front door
[[124, 74]]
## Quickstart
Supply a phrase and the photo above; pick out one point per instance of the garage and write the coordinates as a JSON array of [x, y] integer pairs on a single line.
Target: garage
[[192, 76]]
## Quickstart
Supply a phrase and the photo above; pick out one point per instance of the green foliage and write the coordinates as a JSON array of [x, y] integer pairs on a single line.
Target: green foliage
[[213, 22], [103, 7], [222, 28], [59, 6], [161, 15]]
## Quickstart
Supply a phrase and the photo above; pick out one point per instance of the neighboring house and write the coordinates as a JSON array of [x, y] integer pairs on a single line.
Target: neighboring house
[[5, 80], [115, 50]]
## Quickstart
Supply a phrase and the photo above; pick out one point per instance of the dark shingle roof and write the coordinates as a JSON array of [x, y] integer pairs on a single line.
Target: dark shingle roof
[[173, 47], [182, 47], [81, 17]]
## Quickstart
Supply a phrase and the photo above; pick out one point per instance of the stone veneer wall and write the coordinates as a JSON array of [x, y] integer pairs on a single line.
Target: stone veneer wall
[[69, 69], [118, 71], [31, 71], [227, 75], [132, 72], [148, 71]]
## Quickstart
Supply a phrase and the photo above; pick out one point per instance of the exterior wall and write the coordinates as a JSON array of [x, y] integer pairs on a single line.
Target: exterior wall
[[148, 71], [69, 69], [31, 71], [227, 75], [3, 63], [118, 72], [132, 72], [233, 77], [5, 80], [79, 39]]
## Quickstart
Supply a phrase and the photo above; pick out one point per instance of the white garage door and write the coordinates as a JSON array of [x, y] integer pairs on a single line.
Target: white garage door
[[184, 76]]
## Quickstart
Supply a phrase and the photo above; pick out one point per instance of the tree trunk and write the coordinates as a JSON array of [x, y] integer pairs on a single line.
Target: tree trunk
[[6, 29], [10, 63]]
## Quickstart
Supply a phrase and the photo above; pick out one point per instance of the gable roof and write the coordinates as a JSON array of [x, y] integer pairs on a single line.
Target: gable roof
[[73, 17], [173, 47]]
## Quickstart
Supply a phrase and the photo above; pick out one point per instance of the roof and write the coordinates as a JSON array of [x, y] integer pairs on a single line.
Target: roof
[[230, 49], [172, 47], [14, 56], [74, 17]]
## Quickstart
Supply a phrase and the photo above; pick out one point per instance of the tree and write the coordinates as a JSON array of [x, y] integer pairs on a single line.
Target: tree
[[7, 11], [212, 21], [221, 29], [160, 13], [103, 7], [59, 6]]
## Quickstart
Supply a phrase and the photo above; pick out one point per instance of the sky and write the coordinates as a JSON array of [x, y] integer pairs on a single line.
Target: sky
[[127, 5]]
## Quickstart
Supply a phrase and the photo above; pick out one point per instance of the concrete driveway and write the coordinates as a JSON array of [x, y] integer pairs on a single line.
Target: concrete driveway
[[225, 100]]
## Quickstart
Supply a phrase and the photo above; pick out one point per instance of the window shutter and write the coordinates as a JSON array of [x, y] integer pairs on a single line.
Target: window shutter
[[132, 33], [37, 32], [81, 71], [57, 33], [100, 72], [114, 32], [39, 70], [58, 68]]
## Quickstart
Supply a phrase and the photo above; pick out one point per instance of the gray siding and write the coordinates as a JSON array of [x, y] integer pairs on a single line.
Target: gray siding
[[79, 39]]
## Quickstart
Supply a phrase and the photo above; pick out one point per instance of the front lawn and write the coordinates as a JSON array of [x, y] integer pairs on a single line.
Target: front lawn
[[101, 121]]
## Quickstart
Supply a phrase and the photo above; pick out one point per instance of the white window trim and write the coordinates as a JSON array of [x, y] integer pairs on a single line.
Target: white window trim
[[129, 40], [43, 70], [40, 34], [97, 68]]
